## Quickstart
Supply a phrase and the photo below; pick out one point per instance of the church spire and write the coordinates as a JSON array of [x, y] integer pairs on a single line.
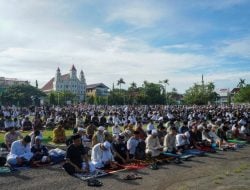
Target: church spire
[[73, 68]]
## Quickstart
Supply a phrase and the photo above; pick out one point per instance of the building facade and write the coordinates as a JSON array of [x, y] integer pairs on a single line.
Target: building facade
[[98, 89], [68, 83]]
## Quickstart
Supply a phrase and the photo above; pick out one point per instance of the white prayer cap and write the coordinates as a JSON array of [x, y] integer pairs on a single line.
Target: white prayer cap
[[101, 128], [154, 132], [80, 129], [106, 144], [38, 137]]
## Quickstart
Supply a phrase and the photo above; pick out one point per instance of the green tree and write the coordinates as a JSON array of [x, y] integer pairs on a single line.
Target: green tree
[[173, 97], [165, 82], [242, 83], [200, 94], [153, 93], [21, 95], [132, 93], [120, 82], [243, 96]]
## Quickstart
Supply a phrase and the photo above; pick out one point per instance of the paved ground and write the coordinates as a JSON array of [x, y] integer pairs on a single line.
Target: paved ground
[[223, 170]]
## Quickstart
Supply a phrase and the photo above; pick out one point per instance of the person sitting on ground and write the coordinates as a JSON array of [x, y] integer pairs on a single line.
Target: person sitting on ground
[[37, 123], [76, 156], [150, 127], [222, 132], [59, 134], [153, 146], [90, 130], [34, 134], [120, 150], [132, 144], [170, 141], [116, 129], [16, 123], [184, 128], [206, 138], [162, 132], [216, 139], [107, 136], [182, 141], [127, 134], [26, 124], [245, 132], [11, 136], [139, 127], [20, 152], [101, 156], [86, 142], [8, 123], [40, 152], [98, 136], [195, 142]]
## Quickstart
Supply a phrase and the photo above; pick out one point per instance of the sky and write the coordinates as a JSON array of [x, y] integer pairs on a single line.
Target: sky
[[136, 40]]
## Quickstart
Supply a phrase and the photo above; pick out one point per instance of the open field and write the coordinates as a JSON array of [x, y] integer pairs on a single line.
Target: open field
[[223, 170]]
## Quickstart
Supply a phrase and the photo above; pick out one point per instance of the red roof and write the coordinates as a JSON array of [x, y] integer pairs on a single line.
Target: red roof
[[49, 85]]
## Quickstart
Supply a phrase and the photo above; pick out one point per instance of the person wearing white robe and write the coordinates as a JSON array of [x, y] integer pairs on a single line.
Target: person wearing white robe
[[153, 146], [101, 155], [20, 152]]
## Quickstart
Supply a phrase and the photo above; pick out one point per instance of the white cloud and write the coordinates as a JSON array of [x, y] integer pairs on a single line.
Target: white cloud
[[137, 13], [240, 48], [35, 38]]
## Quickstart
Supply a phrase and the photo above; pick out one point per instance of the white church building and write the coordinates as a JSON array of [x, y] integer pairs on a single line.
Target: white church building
[[68, 82]]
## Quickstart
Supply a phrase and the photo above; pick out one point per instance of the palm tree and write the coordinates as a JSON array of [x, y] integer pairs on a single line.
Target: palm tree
[[241, 83], [133, 85], [165, 82], [120, 82]]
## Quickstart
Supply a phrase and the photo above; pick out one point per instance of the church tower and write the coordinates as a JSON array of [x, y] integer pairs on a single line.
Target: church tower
[[82, 77], [57, 80], [58, 75], [73, 72]]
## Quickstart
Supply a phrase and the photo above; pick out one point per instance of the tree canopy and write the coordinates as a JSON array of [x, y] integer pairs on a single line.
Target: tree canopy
[[21, 95], [243, 96], [200, 94]]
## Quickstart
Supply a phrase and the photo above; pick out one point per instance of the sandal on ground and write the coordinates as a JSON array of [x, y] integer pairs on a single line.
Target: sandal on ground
[[94, 183], [154, 166], [132, 177]]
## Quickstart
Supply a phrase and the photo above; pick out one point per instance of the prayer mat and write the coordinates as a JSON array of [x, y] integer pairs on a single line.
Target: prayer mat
[[237, 141], [5, 170], [181, 156], [207, 149], [194, 152]]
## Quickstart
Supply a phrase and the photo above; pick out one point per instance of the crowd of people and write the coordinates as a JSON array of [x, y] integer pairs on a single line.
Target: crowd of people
[[112, 135]]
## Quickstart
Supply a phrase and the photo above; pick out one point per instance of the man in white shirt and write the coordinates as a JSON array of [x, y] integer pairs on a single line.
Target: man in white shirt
[[20, 152], [150, 127], [182, 141], [101, 155], [153, 146]]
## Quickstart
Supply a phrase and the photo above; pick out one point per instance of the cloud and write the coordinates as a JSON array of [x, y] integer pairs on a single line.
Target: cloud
[[137, 13], [239, 48], [37, 37]]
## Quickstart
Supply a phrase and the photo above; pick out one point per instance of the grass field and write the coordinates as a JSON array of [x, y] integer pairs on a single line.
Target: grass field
[[47, 135]]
